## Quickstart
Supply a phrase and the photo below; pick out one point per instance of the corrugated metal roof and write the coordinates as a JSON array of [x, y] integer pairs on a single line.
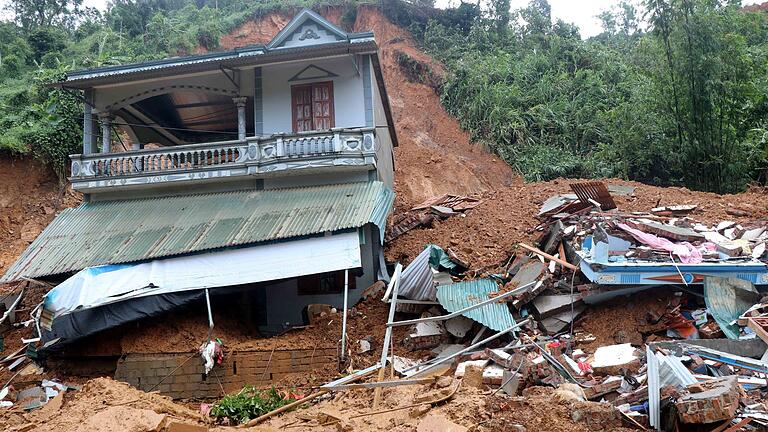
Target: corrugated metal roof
[[417, 281], [461, 295], [210, 61], [113, 232]]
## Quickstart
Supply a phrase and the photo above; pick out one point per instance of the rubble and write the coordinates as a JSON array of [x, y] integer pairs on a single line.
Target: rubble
[[546, 322], [710, 401]]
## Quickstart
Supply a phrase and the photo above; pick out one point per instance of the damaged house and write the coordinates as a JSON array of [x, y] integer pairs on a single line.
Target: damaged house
[[256, 180]]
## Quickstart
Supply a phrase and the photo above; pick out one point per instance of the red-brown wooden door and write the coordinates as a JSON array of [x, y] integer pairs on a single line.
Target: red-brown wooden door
[[312, 106]]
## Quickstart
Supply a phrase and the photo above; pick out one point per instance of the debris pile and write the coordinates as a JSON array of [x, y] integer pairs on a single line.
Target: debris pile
[[610, 320], [424, 214], [519, 329]]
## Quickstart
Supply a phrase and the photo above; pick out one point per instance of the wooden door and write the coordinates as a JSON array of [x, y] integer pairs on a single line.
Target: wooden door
[[312, 106], [322, 104], [302, 108]]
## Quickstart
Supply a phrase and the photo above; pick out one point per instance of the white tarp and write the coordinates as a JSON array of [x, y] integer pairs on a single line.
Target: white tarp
[[97, 286]]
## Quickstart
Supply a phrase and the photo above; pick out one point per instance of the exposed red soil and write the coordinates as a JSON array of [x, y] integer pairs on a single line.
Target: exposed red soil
[[30, 197], [435, 155], [184, 332], [101, 405]]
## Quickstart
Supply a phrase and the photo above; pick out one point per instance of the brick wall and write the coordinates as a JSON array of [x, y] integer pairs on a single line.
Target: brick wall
[[145, 371]]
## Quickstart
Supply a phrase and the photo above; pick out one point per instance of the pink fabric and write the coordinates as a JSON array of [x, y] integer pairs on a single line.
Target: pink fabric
[[687, 252]]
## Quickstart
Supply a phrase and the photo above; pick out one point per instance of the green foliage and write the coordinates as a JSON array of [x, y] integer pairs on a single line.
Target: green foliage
[[248, 403], [417, 71], [683, 104]]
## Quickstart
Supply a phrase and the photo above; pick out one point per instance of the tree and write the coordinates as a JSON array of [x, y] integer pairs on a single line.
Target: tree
[[33, 14]]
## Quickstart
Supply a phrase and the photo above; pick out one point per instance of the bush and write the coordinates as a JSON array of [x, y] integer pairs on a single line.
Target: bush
[[417, 71], [248, 403]]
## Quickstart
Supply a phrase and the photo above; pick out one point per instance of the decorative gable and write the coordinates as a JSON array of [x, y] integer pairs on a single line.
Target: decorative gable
[[307, 28], [312, 72]]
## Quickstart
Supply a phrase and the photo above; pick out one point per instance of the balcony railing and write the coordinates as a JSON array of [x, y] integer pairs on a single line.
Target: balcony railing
[[252, 156]]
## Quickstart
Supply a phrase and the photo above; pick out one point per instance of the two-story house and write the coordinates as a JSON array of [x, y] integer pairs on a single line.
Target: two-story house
[[263, 173]]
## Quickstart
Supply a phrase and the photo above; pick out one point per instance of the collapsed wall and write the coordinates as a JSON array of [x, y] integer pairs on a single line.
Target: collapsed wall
[[182, 375]]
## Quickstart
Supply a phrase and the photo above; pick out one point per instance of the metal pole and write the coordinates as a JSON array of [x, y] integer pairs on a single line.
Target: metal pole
[[210, 315], [469, 348], [344, 318], [388, 333], [392, 307]]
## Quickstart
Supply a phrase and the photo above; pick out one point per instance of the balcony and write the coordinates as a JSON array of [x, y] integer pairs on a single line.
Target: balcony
[[327, 151]]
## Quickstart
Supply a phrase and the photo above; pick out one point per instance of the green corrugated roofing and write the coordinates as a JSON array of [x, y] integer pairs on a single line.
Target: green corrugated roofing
[[112, 232], [455, 297]]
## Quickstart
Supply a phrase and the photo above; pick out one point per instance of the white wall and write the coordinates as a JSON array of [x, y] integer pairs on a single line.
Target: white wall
[[347, 89], [284, 305], [384, 155]]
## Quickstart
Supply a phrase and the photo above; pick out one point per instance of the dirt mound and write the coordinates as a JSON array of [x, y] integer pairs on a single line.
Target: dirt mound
[[30, 197], [490, 232], [102, 404], [184, 332]]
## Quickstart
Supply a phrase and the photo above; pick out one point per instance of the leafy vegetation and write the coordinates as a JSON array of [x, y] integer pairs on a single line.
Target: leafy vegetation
[[47, 38], [681, 104], [672, 92], [248, 403]]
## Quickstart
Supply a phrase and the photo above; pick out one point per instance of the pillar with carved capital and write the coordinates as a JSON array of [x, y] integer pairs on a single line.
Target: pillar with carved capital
[[106, 131], [240, 103]]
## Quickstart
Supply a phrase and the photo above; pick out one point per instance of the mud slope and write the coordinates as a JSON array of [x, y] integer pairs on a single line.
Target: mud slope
[[30, 197], [435, 156]]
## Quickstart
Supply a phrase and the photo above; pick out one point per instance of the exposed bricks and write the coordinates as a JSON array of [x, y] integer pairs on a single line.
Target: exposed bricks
[[166, 374], [711, 401]]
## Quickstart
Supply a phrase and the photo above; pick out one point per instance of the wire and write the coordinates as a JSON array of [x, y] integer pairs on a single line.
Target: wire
[[573, 277], [514, 374], [682, 278]]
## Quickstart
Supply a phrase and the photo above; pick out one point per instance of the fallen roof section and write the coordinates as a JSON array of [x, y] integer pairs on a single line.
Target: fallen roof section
[[114, 232], [461, 295]]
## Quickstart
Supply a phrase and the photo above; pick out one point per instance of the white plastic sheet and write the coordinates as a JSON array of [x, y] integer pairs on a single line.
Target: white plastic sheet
[[97, 286]]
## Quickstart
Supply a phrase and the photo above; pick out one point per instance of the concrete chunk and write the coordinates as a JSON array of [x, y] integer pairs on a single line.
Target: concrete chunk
[[549, 305]]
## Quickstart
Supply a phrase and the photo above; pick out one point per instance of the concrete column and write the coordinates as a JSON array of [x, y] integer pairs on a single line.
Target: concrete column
[[106, 131], [88, 138], [240, 103]]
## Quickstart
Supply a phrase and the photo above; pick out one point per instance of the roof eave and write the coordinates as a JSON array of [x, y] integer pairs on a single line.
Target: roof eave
[[253, 57]]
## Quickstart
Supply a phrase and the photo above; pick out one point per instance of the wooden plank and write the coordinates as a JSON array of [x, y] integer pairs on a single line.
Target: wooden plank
[[564, 263], [669, 231], [745, 421], [759, 326]]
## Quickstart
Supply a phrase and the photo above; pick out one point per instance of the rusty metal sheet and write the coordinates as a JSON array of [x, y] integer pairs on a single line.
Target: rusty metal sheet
[[454, 202], [596, 191]]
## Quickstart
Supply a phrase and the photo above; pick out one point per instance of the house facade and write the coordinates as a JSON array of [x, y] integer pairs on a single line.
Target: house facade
[[264, 172]]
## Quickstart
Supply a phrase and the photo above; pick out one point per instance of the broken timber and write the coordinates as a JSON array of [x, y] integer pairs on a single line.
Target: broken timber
[[563, 263]]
